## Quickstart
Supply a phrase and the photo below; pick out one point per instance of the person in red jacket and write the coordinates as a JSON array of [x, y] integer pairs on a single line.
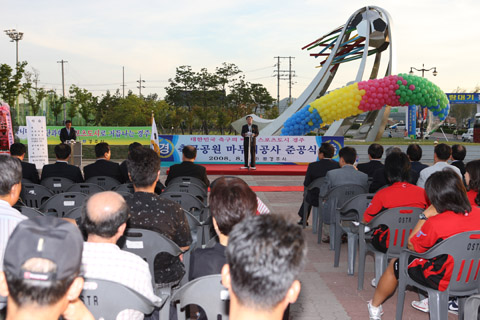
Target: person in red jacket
[[472, 180]]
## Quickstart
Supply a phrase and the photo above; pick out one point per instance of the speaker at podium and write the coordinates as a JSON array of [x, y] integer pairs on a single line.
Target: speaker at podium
[[76, 155]]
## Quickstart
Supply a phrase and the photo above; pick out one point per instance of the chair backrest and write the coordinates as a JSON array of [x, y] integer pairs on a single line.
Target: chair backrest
[[106, 299], [107, 183], [356, 206], [86, 188], [125, 187], [30, 212], [206, 292], [186, 201], [60, 204], [188, 180], [317, 183], [400, 222], [74, 213], [190, 188], [337, 196], [194, 224], [33, 195], [147, 244], [464, 248], [57, 184]]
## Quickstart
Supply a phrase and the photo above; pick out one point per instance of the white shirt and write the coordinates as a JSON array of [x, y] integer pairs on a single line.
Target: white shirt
[[106, 261], [439, 166], [9, 218]]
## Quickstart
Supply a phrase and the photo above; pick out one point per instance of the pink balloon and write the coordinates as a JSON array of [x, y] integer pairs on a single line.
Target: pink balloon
[[411, 87]]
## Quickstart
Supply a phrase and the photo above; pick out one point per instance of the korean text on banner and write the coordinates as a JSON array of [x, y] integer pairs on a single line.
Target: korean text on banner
[[37, 141]]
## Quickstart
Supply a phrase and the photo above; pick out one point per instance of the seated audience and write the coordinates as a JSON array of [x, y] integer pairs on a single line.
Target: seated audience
[[265, 255], [123, 165], [441, 154], [29, 170], [458, 155], [10, 187], [103, 166], [231, 200], [61, 168], [375, 153], [41, 271], [104, 218], [472, 180], [414, 153], [150, 211], [449, 214], [399, 193], [315, 170], [188, 168]]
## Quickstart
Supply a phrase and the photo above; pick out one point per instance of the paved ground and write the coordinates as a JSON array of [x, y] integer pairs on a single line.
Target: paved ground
[[327, 292]]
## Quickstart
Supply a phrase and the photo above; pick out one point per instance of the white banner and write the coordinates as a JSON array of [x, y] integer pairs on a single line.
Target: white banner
[[37, 141]]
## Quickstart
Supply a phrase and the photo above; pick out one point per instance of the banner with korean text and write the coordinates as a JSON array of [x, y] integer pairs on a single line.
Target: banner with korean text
[[229, 149], [37, 141]]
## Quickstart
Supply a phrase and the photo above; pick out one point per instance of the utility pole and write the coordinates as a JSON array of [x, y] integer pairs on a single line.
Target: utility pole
[[282, 75], [140, 86], [63, 89], [15, 36], [123, 81]]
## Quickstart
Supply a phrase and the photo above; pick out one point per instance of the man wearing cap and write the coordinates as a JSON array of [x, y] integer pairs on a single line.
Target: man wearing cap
[[10, 187], [249, 134], [104, 218], [41, 278]]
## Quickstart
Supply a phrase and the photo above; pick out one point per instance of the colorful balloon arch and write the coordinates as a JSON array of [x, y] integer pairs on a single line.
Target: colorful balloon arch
[[394, 90]]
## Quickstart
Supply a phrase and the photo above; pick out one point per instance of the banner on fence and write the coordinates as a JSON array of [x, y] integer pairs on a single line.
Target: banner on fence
[[229, 149], [37, 141]]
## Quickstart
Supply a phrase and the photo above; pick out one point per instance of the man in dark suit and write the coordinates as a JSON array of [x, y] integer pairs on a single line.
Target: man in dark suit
[[187, 168], [458, 155], [316, 170], [29, 171], [414, 153], [68, 133], [249, 134], [375, 153], [123, 165], [61, 168], [103, 166]]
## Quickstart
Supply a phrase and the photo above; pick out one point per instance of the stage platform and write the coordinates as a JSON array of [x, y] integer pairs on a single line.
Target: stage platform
[[262, 170]]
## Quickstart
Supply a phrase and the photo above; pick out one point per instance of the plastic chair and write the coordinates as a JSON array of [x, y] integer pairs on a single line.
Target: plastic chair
[[107, 183], [125, 187], [188, 180], [34, 195], [206, 292], [463, 248], [57, 184], [330, 203], [30, 212], [400, 222], [189, 188], [186, 201], [60, 204], [106, 299], [85, 188], [314, 184], [74, 213], [471, 308], [352, 210]]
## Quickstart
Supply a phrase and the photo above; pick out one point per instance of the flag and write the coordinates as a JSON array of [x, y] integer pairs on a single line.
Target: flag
[[154, 138]]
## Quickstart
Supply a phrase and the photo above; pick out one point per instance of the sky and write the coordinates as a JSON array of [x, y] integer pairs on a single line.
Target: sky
[[152, 38]]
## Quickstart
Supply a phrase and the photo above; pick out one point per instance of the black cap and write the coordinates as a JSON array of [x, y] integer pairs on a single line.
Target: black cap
[[44, 237]]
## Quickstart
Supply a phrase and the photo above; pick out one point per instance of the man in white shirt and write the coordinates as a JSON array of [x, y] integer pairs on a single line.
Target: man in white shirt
[[104, 219], [442, 153], [10, 187]]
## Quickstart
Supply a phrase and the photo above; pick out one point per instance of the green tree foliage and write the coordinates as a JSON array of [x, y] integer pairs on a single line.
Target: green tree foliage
[[32, 92], [83, 101], [10, 86], [56, 104]]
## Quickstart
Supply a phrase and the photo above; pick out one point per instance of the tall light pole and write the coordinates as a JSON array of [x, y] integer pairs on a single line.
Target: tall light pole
[[423, 70], [15, 36]]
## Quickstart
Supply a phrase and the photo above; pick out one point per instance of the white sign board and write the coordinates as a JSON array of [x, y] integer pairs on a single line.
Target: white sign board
[[37, 141]]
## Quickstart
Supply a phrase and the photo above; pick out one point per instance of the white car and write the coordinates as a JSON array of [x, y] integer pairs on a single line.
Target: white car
[[468, 136], [425, 134]]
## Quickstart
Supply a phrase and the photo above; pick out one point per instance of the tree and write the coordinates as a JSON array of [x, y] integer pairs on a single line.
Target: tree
[[56, 104], [10, 86], [83, 101], [33, 93]]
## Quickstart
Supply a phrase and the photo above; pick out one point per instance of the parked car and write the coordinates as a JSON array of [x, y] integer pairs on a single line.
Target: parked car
[[468, 136]]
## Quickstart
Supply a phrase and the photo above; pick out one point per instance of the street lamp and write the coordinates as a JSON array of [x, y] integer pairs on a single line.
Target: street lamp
[[15, 36], [423, 76]]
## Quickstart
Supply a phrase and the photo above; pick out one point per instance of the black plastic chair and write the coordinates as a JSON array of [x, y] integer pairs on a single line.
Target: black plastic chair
[[188, 180], [189, 188], [107, 183], [314, 184], [31, 212], [85, 188], [126, 187], [187, 201], [57, 184], [34, 195], [60, 204]]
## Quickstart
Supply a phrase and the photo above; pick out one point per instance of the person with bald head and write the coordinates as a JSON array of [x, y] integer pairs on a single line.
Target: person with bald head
[[104, 218]]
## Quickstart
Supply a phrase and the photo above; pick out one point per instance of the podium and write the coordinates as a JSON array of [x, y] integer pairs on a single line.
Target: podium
[[76, 155]]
